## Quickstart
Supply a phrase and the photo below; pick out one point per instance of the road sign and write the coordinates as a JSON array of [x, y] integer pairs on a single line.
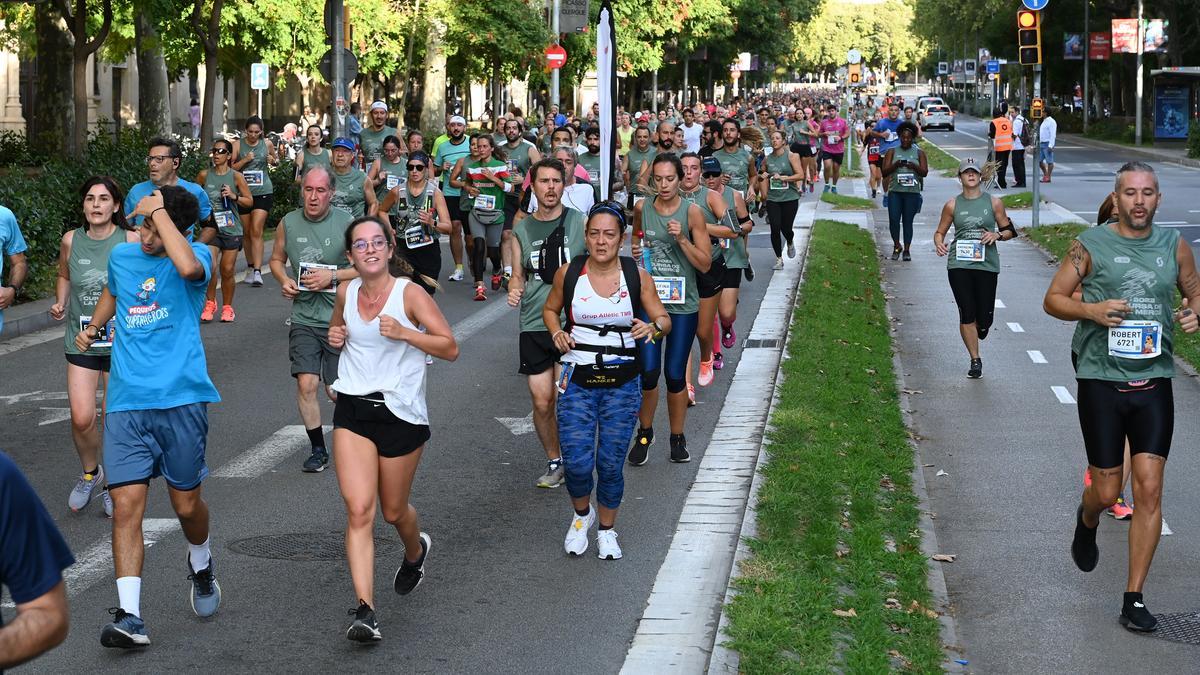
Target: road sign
[[853, 56], [349, 66], [556, 56], [943, 68], [1035, 5], [260, 76], [993, 67]]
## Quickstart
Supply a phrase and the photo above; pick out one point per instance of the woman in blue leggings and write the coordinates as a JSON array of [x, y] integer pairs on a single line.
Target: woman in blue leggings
[[671, 241]]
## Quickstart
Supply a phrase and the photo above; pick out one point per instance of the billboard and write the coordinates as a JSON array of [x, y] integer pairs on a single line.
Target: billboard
[[1154, 37], [1100, 46], [1171, 111], [1072, 46], [1124, 36]]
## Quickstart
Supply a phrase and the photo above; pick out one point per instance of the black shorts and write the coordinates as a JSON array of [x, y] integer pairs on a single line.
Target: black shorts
[[454, 206], [733, 278], [91, 361], [1110, 412], [975, 294], [227, 242], [802, 149], [426, 261], [261, 203], [538, 353], [392, 436], [835, 157], [510, 211], [709, 283]]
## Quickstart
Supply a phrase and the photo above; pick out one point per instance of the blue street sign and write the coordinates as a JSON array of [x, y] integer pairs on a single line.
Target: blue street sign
[[1035, 5], [259, 76], [993, 66]]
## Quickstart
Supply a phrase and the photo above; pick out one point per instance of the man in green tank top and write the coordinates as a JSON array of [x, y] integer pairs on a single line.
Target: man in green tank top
[[311, 240], [590, 160], [637, 163], [1123, 351], [352, 190], [372, 135]]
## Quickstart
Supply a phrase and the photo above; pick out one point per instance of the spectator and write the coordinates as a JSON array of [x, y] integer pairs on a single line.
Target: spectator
[[194, 118], [12, 247]]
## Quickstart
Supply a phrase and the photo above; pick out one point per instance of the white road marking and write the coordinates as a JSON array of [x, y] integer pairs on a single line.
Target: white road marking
[[978, 138], [1015, 327], [518, 425], [1036, 356], [481, 319], [1000, 304], [1193, 210], [263, 457], [1063, 395], [1166, 530], [34, 396], [53, 415]]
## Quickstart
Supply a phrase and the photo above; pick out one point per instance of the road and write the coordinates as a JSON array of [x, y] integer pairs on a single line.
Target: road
[[499, 595]]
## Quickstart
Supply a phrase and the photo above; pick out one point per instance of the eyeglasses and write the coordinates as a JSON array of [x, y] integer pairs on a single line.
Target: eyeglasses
[[220, 151], [157, 159], [361, 245], [415, 167]]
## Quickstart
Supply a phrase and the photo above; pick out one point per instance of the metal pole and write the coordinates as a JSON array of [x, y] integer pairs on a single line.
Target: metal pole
[[554, 73], [1087, 56], [1137, 132], [1037, 153], [339, 64], [260, 103], [685, 81], [653, 92]]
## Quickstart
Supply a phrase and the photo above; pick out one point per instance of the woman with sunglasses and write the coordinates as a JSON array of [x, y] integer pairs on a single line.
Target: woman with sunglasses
[[228, 192], [671, 240], [385, 327], [253, 157], [737, 255], [418, 212], [608, 302]]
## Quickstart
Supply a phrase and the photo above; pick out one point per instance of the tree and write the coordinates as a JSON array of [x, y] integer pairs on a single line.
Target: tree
[[82, 47], [208, 34], [433, 91], [53, 118], [494, 40], [154, 100]]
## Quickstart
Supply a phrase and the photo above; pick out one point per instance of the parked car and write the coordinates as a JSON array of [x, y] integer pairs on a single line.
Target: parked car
[[940, 116]]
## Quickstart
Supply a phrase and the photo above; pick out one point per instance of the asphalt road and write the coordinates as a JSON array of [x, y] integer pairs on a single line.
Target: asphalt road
[[499, 595]]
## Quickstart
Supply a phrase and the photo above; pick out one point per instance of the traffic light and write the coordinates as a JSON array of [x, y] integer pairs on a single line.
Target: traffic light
[[1029, 37], [855, 73]]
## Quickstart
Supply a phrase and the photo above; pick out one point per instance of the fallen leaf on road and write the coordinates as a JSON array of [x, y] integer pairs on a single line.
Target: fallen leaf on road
[[886, 483], [845, 613], [891, 603], [943, 557], [942, 472], [927, 466], [910, 392]]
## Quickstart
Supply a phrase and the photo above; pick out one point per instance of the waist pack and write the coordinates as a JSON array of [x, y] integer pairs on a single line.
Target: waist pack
[[602, 376]]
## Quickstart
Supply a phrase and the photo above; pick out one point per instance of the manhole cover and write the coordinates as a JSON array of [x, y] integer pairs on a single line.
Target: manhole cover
[[305, 546], [761, 344], [1179, 628]]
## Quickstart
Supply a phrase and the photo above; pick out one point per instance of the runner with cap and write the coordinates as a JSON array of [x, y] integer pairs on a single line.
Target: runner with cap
[[445, 156], [352, 189], [374, 133]]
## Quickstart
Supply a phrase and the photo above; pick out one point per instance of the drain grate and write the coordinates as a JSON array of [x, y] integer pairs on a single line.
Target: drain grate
[[761, 344], [305, 546], [1183, 628]]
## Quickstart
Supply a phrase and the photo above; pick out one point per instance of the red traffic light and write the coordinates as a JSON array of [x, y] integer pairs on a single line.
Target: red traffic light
[[1027, 18]]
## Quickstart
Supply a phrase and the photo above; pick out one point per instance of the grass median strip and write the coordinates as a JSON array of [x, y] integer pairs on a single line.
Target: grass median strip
[[847, 202], [938, 159], [1018, 200], [837, 579]]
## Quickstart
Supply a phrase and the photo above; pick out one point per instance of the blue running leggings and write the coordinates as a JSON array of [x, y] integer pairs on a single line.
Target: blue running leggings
[[595, 427], [902, 208], [678, 346]]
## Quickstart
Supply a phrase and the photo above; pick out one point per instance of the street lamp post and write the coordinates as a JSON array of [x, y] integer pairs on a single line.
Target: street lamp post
[[1087, 49]]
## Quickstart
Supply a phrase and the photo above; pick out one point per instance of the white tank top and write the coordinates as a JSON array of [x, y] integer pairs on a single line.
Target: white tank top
[[372, 363], [589, 307]]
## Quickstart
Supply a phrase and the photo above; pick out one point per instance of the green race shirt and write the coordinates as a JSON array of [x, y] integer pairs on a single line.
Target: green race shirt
[[348, 193], [405, 216], [973, 217], [257, 172], [668, 264], [371, 142], [905, 179], [324, 243], [736, 165], [637, 159], [390, 175], [591, 164], [736, 255], [321, 158], [518, 157], [530, 234], [700, 199], [88, 267], [777, 189], [229, 221]]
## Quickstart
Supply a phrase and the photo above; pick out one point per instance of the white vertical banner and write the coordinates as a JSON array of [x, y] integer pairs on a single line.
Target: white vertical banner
[[606, 87]]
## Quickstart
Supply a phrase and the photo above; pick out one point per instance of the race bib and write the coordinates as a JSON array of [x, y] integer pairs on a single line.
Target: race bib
[[104, 338], [671, 290], [512, 166], [535, 258], [892, 136], [253, 178], [225, 222], [724, 243], [393, 180], [969, 250], [906, 179], [486, 202], [831, 139], [306, 267], [417, 236], [1135, 340], [593, 176], [777, 184]]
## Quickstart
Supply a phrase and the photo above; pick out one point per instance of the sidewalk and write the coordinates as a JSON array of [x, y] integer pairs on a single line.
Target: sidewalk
[[1003, 462]]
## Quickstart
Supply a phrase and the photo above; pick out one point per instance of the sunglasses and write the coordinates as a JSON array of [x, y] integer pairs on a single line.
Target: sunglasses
[[709, 174], [415, 167], [378, 242], [220, 151]]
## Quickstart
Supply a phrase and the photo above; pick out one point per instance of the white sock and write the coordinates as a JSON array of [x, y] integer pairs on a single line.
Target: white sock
[[508, 270], [199, 555], [129, 591]]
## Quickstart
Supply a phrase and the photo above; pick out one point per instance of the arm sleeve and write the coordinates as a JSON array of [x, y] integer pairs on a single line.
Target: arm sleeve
[[33, 553]]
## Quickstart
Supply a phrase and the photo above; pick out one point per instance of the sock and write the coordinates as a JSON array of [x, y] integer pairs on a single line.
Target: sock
[[583, 513], [199, 555], [1131, 598], [129, 590], [508, 270], [458, 267], [603, 527], [555, 463], [91, 473], [317, 438]]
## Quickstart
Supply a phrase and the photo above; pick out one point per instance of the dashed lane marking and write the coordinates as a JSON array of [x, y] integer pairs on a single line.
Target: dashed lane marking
[[1063, 395], [1036, 356], [1000, 304], [264, 456], [1015, 327]]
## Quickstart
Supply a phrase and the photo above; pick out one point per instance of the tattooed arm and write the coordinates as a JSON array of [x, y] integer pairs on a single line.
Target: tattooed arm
[[1059, 302], [1189, 286]]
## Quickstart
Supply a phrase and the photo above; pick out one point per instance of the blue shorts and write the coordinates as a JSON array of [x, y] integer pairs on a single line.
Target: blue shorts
[[142, 444], [1047, 153]]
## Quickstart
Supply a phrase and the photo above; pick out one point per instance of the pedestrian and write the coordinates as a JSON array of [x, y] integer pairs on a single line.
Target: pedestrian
[[385, 326], [908, 167], [158, 396], [228, 192], [33, 555], [1022, 136], [194, 118], [82, 272], [608, 303], [1000, 130], [1123, 347], [253, 157], [781, 173], [418, 213], [1047, 138], [973, 262], [12, 248]]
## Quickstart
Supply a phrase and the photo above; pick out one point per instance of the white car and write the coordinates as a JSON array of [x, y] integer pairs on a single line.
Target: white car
[[936, 116], [926, 101]]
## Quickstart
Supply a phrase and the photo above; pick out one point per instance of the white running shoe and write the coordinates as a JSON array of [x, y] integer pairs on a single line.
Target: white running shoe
[[456, 275], [778, 264], [576, 541], [86, 488], [607, 547]]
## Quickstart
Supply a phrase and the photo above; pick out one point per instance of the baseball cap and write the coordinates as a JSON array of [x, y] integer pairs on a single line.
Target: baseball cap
[[344, 143], [710, 165], [458, 119], [378, 105], [969, 164]]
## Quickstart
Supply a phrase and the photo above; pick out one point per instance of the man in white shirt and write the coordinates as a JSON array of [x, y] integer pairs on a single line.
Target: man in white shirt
[[1017, 158], [1047, 135], [691, 131]]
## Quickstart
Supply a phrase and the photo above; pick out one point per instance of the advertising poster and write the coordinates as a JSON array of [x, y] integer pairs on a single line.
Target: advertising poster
[[1124, 36], [1155, 36], [1100, 46], [1171, 111], [1072, 47]]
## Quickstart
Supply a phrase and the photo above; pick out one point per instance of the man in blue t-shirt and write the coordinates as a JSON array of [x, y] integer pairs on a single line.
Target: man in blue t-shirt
[[886, 131], [32, 558], [158, 396], [12, 247], [162, 165]]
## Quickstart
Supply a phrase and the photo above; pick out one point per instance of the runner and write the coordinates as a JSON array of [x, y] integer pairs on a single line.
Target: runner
[[834, 132], [418, 214], [375, 133], [521, 156], [738, 168], [711, 140], [973, 263], [162, 167], [227, 192], [590, 160], [384, 326], [715, 212], [388, 170], [908, 167], [353, 191], [82, 270], [781, 173], [485, 181], [159, 391], [665, 137], [671, 241], [445, 155], [313, 154], [637, 165], [737, 254], [691, 131], [886, 132], [803, 132], [540, 251], [12, 248], [604, 293], [310, 240], [874, 156], [255, 157], [624, 134], [1123, 355]]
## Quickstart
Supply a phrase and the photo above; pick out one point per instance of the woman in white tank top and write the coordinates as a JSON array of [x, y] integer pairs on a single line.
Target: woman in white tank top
[[384, 326]]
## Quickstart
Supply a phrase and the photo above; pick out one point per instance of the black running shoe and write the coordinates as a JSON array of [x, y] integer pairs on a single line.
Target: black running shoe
[[749, 272], [1083, 547], [364, 628], [640, 452], [896, 250], [679, 451], [976, 370], [410, 574], [1135, 616], [316, 462], [907, 257]]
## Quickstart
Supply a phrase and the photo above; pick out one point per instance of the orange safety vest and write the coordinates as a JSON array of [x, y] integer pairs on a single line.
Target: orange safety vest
[[1004, 136]]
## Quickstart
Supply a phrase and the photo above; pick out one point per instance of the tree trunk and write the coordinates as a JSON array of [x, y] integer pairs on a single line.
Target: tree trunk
[[497, 113], [82, 49], [433, 94], [406, 74], [209, 36], [154, 102], [53, 115]]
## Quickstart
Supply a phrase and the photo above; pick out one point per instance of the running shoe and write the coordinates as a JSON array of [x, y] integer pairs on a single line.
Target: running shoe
[[553, 476], [227, 314], [317, 461], [791, 251], [640, 452], [896, 251], [125, 631], [85, 489], [1135, 616], [1084, 551], [706, 373], [409, 574], [718, 361], [749, 272], [495, 282], [576, 541], [885, 200], [976, 370], [456, 275], [728, 337], [607, 547], [778, 264], [256, 280], [480, 295], [833, 189], [364, 628], [210, 308], [206, 592], [1120, 510], [108, 507], [874, 193], [826, 189], [679, 451], [1087, 477], [691, 395], [907, 257]]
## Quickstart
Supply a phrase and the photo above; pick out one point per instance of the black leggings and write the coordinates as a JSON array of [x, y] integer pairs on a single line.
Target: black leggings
[[480, 255], [975, 294], [781, 215], [1110, 412]]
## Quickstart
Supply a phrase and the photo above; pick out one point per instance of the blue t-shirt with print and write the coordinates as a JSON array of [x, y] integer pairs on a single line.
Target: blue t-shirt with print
[[888, 126], [33, 553], [11, 243], [158, 359], [144, 188]]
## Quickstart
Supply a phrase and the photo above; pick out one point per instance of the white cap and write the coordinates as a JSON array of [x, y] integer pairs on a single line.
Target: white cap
[[458, 119], [379, 105]]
